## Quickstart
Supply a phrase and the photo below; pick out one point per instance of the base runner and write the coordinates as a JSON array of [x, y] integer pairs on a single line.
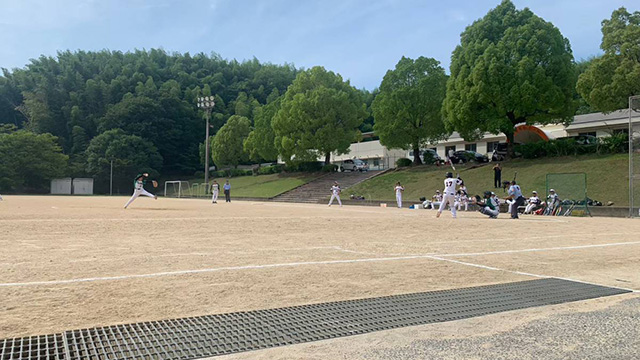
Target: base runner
[[449, 194], [335, 193], [138, 184]]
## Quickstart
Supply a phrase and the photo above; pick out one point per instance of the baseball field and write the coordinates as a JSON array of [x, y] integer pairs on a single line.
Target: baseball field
[[78, 262]]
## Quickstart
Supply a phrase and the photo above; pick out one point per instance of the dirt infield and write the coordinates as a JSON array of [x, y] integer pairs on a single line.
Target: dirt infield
[[71, 262]]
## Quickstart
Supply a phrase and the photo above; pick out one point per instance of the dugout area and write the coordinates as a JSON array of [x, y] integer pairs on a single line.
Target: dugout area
[[73, 263]]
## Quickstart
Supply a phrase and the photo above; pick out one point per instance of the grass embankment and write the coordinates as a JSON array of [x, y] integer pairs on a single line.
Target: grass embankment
[[265, 186], [607, 178]]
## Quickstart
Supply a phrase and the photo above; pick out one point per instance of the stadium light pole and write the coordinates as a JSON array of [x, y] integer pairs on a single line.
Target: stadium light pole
[[206, 103]]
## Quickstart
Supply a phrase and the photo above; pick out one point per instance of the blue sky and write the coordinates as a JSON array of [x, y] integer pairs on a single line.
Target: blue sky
[[359, 39]]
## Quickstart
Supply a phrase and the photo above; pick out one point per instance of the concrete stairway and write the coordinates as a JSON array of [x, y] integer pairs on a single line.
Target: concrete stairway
[[319, 190]]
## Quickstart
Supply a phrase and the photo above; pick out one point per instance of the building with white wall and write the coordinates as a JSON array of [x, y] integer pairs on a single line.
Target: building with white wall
[[597, 124]]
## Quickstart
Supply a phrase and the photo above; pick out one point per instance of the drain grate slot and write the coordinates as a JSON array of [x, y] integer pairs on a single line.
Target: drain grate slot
[[203, 336]]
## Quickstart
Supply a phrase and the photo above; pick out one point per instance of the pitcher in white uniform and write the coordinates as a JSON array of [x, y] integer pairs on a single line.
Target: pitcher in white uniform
[[138, 184], [399, 189], [335, 193], [215, 189], [449, 197]]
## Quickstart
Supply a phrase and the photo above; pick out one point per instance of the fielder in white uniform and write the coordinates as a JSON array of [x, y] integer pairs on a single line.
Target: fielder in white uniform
[[215, 189], [399, 189], [1, 199], [138, 184], [335, 193], [449, 197]]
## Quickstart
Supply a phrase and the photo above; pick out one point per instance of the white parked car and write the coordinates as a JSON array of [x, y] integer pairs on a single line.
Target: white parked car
[[354, 165]]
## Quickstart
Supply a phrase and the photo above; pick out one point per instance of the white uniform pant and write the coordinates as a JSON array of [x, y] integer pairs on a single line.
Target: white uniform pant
[[214, 198], [399, 200], [529, 208], [449, 199], [335, 196], [466, 204], [138, 192], [434, 204]]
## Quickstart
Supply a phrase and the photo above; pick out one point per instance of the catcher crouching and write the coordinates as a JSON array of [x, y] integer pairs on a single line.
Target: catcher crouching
[[487, 205]]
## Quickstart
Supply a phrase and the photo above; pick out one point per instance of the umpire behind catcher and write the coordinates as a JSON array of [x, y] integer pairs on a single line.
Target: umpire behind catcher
[[515, 194]]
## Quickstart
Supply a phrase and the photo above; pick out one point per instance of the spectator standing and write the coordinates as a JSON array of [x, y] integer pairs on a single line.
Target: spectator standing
[[497, 176], [227, 191]]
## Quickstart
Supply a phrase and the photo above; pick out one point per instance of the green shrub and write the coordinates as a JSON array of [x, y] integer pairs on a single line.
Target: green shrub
[[307, 166], [330, 168], [404, 162], [615, 144], [273, 169]]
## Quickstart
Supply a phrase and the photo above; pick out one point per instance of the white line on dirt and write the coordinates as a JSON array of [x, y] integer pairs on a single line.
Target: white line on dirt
[[331, 262], [527, 274]]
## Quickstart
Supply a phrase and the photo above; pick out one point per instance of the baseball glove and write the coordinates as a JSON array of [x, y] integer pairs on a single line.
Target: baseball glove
[[155, 183], [478, 198]]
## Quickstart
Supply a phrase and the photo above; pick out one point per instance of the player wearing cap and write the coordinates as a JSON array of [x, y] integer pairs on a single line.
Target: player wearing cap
[[553, 200], [335, 193], [449, 196], [215, 190], [138, 188], [487, 205], [399, 189], [533, 202], [436, 199]]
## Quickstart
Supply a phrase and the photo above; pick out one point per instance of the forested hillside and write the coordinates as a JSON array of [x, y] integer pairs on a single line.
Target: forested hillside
[[151, 95]]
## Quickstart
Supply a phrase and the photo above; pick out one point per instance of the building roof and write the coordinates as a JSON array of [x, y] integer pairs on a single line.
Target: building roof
[[601, 119]]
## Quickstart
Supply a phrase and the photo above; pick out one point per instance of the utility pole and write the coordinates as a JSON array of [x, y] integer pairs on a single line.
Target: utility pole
[[111, 180], [206, 103]]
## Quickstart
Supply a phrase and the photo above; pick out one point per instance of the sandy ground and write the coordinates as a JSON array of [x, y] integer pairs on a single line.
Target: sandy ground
[[73, 262]]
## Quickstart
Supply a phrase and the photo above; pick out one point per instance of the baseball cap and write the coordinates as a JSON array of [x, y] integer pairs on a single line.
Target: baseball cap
[[534, 192], [551, 190]]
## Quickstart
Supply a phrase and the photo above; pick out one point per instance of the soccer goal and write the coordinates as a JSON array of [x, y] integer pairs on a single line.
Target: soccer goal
[[571, 189], [634, 156], [177, 189]]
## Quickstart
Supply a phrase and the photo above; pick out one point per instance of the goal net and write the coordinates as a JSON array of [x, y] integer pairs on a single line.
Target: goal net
[[571, 191], [177, 189], [634, 156]]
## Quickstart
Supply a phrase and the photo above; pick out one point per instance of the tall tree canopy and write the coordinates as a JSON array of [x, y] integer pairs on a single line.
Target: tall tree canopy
[[408, 108], [227, 146], [130, 154], [29, 161], [611, 79], [511, 67], [260, 143], [77, 95], [320, 114]]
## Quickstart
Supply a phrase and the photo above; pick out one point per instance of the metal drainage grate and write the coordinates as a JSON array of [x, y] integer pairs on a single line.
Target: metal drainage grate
[[203, 336]]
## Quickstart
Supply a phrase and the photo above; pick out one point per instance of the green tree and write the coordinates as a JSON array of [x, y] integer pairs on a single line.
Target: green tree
[[227, 146], [609, 81], [582, 106], [130, 154], [28, 161], [408, 109], [511, 67], [260, 142], [320, 114]]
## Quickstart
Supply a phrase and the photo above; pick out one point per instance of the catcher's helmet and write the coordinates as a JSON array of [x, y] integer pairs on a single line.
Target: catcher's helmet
[[449, 175], [487, 194]]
